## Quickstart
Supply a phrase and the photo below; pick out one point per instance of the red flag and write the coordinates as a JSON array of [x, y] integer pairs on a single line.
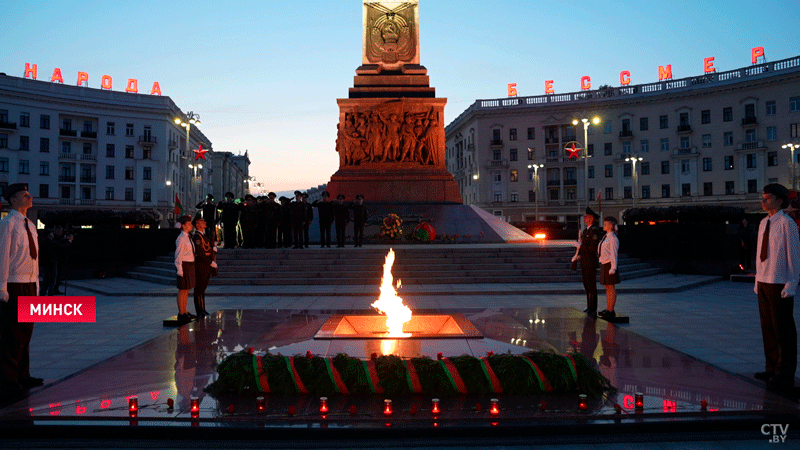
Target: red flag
[[178, 206]]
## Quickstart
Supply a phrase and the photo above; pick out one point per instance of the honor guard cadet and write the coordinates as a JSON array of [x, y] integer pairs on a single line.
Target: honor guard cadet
[[360, 215], [272, 217], [341, 215], [325, 214], [285, 224], [229, 217], [209, 213], [309, 218], [248, 219], [587, 254], [205, 264], [298, 214]]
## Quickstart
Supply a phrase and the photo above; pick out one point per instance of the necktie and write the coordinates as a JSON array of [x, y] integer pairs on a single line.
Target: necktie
[[765, 242], [31, 244]]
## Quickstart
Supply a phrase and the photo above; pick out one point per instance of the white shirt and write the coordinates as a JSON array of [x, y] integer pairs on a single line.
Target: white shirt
[[609, 247], [782, 265], [184, 251], [16, 264]]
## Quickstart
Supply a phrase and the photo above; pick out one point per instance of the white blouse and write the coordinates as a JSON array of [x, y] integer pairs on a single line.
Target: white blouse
[[608, 249]]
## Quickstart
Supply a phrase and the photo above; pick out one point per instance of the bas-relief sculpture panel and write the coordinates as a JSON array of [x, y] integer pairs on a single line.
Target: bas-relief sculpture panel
[[391, 33], [392, 132]]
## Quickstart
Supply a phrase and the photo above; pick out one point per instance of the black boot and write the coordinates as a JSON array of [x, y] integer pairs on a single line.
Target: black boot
[[198, 305], [202, 309]]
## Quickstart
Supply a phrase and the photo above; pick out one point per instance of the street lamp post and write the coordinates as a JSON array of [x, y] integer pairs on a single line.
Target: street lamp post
[[536, 168], [633, 160], [195, 180], [595, 120], [192, 118], [792, 148]]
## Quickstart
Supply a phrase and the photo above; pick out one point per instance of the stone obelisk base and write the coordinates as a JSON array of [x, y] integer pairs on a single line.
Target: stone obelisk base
[[396, 184]]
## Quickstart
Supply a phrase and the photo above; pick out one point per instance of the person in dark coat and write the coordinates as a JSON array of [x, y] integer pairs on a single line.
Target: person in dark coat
[[341, 214], [248, 221], [48, 262], [309, 218], [360, 216], [208, 210], [325, 214], [587, 254], [205, 264], [261, 222], [298, 215], [272, 218], [229, 216], [285, 225]]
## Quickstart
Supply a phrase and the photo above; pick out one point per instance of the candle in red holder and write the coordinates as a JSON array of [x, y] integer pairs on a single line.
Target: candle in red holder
[[231, 409], [133, 404], [323, 405], [494, 410], [435, 407], [703, 405], [261, 404], [387, 407], [639, 402], [583, 405], [170, 403]]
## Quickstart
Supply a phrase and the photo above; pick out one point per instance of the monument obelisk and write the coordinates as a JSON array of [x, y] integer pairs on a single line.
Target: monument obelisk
[[390, 136]]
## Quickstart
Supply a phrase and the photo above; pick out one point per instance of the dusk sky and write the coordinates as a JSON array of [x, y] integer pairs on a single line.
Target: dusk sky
[[265, 75]]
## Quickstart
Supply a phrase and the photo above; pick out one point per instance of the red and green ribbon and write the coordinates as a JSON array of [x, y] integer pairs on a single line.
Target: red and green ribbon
[[543, 383], [452, 375], [261, 374], [335, 377], [491, 376], [372, 377], [571, 364], [412, 377], [298, 383]]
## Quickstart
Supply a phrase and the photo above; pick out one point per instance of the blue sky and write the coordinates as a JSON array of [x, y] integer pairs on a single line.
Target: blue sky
[[265, 75]]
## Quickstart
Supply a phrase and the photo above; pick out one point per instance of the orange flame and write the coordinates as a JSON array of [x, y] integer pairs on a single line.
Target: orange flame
[[389, 303]]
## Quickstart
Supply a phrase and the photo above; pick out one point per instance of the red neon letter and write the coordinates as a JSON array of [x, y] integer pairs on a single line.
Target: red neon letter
[[82, 76], [625, 77], [57, 76], [670, 406], [157, 89], [548, 87], [80, 409], [105, 404], [105, 82], [665, 74], [586, 83], [30, 70], [627, 402], [708, 65], [757, 52], [133, 86]]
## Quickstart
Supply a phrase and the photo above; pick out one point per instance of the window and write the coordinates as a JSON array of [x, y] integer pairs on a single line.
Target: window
[[129, 173], [129, 194], [512, 156], [146, 195], [44, 190], [4, 165], [129, 151], [110, 128], [664, 167], [683, 119], [498, 197], [664, 191], [608, 148], [531, 133], [512, 134], [772, 133], [110, 150], [109, 193], [109, 172], [531, 154], [752, 186], [3, 141], [531, 196], [626, 170], [772, 159], [607, 127], [751, 161], [627, 192], [771, 109], [590, 174], [24, 143], [707, 167], [609, 171], [626, 125], [146, 153], [44, 168], [750, 135], [4, 115], [645, 170], [794, 104], [498, 178], [66, 147], [685, 166], [590, 149], [708, 189], [553, 194], [729, 188], [686, 190], [495, 155], [44, 122], [706, 140], [793, 130], [128, 132], [705, 116], [727, 114], [729, 163], [626, 147], [514, 175], [44, 145], [646, 191], [87, 148], [609, 193], [591, 193], [685, 142], [25, 119], [665, 144], [87, 126], [496, 136], [643, 125], [663, 122], [24, 167], [645, 146], [728, 138], [66, 192]]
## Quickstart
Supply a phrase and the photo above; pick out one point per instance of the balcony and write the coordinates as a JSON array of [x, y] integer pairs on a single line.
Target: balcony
[[496, 143], [684, 151], [66, 178], [570, 182], [67, 133], [88, 157], [87, 202], [66, 156], [66, 201], [553, 182], [88, 179], [626, 134], [173, 144], [147, 141], [471, 148], [89, 134], [497, 163], [749, 121], [684, 129], [8, 127], [751, 145], [551, 140]]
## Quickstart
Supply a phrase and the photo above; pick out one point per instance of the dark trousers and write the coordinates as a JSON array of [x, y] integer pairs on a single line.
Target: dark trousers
[[229, 234], [589, 274], [324, 234], [271, 236], [211, 234], [778, 330], [358, 233], [202, 273], [340, 237], [305, 233], [15, 337], [48, 270], [284, 236], [297, 236]]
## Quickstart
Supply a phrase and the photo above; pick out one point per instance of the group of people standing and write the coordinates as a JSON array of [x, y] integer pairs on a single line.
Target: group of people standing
[[264, 222], [596, 248]]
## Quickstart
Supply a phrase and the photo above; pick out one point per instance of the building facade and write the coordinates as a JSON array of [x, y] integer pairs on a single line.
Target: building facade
[[229, 174], [714, 139], [79, 147]]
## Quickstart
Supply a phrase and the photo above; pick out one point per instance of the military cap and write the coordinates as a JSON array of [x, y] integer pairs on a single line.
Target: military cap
[[340, 196], [229, 194], [305, 195], [589, 212], [12, 189], [211, 196], [326, 194], [779, 191], [611, 219]]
